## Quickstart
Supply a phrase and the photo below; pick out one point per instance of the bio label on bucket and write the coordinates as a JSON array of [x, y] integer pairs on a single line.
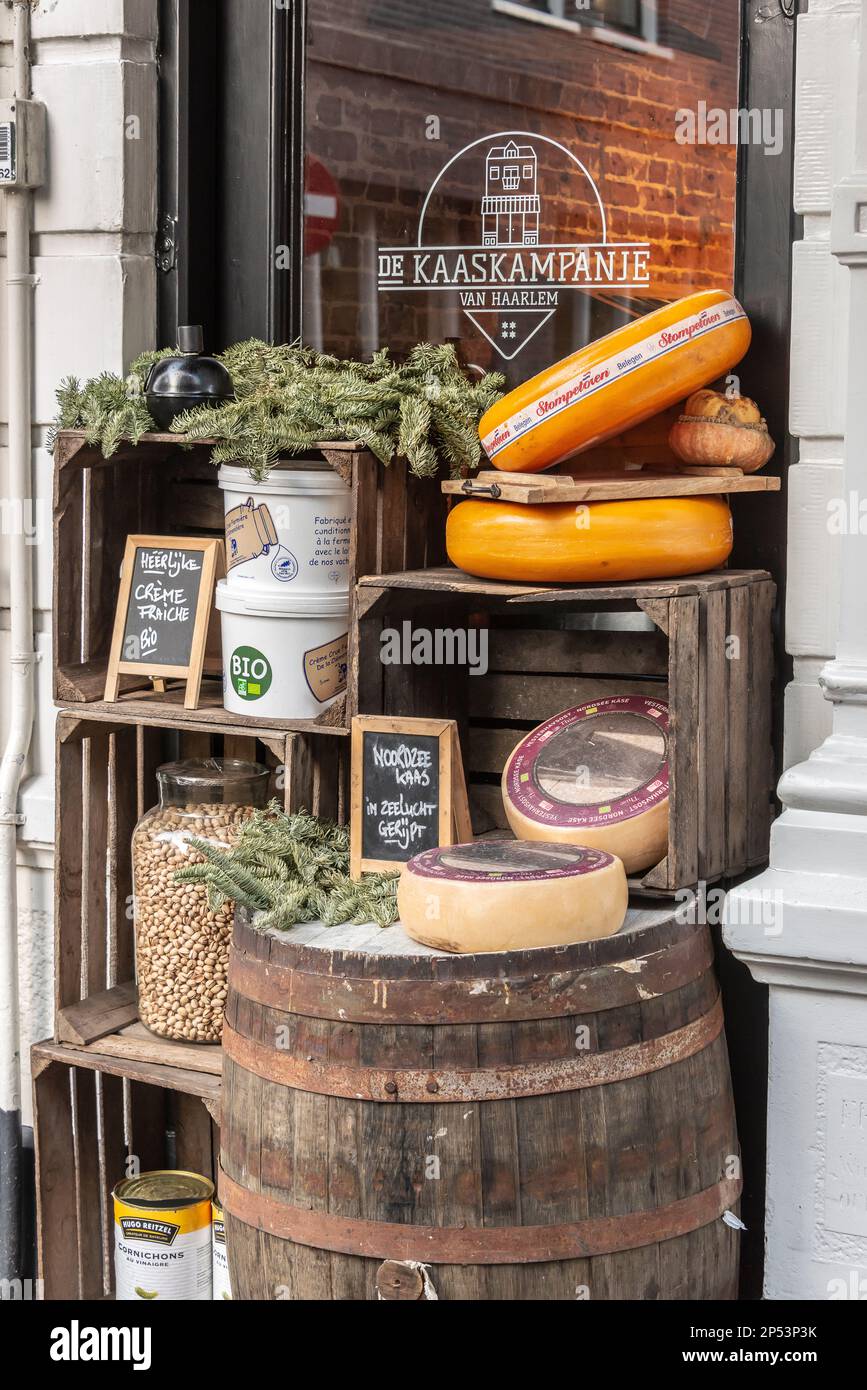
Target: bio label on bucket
[[250, 673], [292, 530]]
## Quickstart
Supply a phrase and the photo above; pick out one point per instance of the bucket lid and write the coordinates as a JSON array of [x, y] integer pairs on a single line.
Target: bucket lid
[[287, 475], [256, 601]]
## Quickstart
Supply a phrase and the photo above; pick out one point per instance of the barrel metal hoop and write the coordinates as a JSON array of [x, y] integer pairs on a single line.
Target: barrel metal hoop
[[411, 1085], [474, 1245], [373, 999]]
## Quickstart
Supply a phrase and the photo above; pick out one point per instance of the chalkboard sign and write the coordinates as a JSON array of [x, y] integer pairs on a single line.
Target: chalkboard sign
[[408, 790], [164, 611]]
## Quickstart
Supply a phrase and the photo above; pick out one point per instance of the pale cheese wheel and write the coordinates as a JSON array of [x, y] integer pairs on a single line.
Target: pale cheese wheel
[[505, 895], [616, 382], [595, 775]]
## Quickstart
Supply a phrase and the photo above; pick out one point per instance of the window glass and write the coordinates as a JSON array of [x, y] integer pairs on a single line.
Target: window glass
[[517, 176]]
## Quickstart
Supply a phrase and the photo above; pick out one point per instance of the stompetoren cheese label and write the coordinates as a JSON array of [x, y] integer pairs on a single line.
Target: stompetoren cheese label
[[500, 895], [595, 775]]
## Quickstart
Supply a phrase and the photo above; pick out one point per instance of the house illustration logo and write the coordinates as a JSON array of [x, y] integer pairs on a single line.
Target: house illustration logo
[[511, 281], [510, 209]]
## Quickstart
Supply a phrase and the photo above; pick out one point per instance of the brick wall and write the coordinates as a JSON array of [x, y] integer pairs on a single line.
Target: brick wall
[[378, 69]]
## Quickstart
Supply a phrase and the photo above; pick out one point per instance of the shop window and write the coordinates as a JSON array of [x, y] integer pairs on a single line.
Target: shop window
[[475, 178]]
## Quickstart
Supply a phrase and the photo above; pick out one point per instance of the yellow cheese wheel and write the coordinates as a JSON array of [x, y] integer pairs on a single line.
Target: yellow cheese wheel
[[616, 382], [595, 775], [567, 542], [502, 895]]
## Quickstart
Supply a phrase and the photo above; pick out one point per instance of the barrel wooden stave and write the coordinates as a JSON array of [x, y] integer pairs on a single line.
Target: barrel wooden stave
[[608, 1150]]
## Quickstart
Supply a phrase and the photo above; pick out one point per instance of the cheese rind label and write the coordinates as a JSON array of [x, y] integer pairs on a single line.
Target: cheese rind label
[[593, 765], [507, 861]]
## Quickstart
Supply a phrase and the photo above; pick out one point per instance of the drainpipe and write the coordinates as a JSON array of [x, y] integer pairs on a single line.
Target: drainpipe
[[20, 283]]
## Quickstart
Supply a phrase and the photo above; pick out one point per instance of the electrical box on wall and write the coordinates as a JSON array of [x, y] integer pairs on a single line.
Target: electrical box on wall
[[22, 143]]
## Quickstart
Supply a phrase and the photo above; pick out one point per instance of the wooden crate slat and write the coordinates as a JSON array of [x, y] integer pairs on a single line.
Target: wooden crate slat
[[738, 732], [194, 1135], [98, 1015], [122, 817], [88, 1192], [113, 1161], [683, 676], [536, 697], [602, 653], [712, 768], [172, 1078], [94, 853], [68, 954], [56, 1210]]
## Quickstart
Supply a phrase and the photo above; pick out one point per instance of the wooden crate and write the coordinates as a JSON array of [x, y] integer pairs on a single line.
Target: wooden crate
[[92, 1114], [160, 487], [106, 780], [707, 649]]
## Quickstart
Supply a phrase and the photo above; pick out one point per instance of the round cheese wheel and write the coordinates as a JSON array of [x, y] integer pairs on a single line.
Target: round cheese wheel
[[616, 382], [557, 542], [595, 775], [502, 895]]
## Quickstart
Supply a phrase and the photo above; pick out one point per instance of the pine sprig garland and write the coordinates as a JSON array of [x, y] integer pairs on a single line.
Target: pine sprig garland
[[289, 398], [289, 869]]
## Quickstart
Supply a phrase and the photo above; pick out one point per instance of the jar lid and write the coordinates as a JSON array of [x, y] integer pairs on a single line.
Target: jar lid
[[211, 772]]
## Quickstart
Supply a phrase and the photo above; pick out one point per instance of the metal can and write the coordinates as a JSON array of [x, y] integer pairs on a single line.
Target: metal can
[[162, 1236], [222, 1287]]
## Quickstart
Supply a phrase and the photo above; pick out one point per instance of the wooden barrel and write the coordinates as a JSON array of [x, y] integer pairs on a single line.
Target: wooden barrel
[[554, 1123]]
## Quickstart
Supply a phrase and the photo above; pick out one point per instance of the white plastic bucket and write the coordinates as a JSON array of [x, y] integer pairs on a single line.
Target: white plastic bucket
[[290, 532], [284, 655]]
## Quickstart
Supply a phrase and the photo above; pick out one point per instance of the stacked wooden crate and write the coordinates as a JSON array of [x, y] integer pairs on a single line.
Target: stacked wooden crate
[[107, 1092]]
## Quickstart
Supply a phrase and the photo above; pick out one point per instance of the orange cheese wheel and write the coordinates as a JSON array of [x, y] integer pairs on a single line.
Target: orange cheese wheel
[[585, 543], [616, 382]]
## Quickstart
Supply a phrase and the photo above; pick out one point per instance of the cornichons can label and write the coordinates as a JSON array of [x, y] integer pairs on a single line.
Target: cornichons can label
[[222, 1286], [162, 1237]]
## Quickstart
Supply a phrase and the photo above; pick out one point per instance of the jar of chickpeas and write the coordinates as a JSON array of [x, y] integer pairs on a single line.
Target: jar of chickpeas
[[181, 944]]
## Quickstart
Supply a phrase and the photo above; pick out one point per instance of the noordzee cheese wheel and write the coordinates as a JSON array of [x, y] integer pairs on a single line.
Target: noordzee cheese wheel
[[616, 382], [503, 895], [595, 775], [556, 542]]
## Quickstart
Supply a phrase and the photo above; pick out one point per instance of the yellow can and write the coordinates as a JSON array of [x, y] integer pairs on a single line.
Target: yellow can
[[162, 1236], [222, 1287]]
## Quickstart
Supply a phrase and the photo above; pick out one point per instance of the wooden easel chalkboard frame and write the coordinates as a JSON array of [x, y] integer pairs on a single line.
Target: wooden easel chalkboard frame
[[454, 824], [213, 551]]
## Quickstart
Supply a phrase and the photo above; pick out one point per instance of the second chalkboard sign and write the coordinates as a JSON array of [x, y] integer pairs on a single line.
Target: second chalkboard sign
[[408, 790], [164, 611]]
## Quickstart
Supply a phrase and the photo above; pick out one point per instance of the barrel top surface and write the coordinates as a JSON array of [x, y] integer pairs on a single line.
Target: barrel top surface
[[314, 946]]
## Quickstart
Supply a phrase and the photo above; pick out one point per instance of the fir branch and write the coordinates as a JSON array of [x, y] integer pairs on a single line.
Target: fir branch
[[289, 398], [291, 868]]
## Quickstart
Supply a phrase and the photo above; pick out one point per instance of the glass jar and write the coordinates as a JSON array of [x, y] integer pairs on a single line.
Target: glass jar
[[181, 945]]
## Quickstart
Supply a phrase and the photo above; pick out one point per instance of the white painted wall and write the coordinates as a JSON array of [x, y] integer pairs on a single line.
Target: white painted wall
[[95, 309], [826, 83]]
